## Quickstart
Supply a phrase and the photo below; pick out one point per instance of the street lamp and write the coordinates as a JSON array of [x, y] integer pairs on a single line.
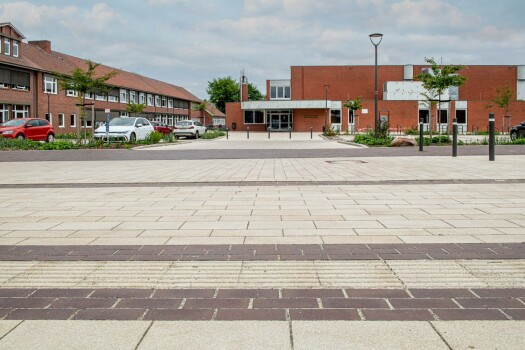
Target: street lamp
[[326, 87], [376, 40]]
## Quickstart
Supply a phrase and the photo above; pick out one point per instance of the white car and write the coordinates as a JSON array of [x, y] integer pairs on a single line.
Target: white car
[[128, 129], [189, 128]]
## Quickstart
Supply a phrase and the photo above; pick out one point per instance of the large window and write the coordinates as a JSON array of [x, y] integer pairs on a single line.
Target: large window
[[423, 113], [133, 96], [280, 90], [124, 96], [4, 113], [71, 93], [73, 120], [461, 116], [150, 100], [50, 85], [170, 103], [100, 97], [157, 101], [15, 48], [164, 101], [7, 46], [61, 120], [20, 111], [335, 116], [253, 117], [142, 98]]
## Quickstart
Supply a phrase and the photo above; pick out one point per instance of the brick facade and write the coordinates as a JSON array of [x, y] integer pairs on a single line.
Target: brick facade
[[348, 82]]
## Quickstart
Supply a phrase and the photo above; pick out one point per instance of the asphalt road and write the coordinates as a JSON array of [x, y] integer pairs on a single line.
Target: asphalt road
[[157, 154]]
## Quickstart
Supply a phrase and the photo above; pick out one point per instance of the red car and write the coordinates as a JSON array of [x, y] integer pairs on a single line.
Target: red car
[[28, 128], [162, 128]]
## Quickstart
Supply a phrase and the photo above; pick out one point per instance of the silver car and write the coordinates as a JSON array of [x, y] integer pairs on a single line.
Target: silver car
[[189, 128], [127, 129]]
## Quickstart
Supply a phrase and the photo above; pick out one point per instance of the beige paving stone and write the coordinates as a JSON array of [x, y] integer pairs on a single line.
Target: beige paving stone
[[360, 239], [128, 218], [222, 212], [176, 233], [501, 238], [7, 326], [105, 233], [37, 226], [415, 224], [356, 274], [467, 231], [60, 213], [319, 232], [209, 218], [154, 225], [37, 234], [218, 335], [501, 335], [354, 224], [111, 213], [259, 225], [220, 225], [284, 240], [365, 335], [481, 223], [205, 240], [10, 269], [86, 226], [280, 212], [50, 335], [55, 241], [439, 239], [10, 241], [391, 232], [249, 218], [494, 272], [247, 233], [129, 241]]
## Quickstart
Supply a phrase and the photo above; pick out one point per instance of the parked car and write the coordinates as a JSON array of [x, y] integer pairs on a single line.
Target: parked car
[[517, 131], [189, 128], [216, 127], [162, 128], [125, 128], [28, 128]]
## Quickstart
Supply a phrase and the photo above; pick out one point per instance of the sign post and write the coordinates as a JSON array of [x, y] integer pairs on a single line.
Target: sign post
[[107, 111]]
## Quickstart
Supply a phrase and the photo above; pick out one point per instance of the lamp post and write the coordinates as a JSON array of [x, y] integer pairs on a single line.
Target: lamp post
[[326, 87], [376, 39]]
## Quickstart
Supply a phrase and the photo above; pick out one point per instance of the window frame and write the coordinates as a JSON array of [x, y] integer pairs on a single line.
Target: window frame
[[254, 116], [71, 93], [24, 111], [157, 101], [16, 48], [124, 96], [53, 82], [142, 98], [61, 120], [73, 117], [7, 45], [150, 100]]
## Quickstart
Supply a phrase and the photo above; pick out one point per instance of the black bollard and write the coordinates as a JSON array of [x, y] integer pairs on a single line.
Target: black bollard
[[454, 137], [311, 133], [290, 133], [492, 138], [421, 134], [269, 133], [227, 133], [248, 132]]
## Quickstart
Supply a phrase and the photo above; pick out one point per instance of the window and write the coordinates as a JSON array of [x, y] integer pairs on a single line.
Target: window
[[124, 96], [253, 117], [4, 86], [7, 46], [87, 123], [50, 85], [61, 120], [15, 48], [49, 118], [4, 113], [89, 96], [273, 92], [73, 120], [157, 101], [423, 113], [335, 116], [443, 116], [142, 98], [280, 90], [164, 102], [219, 121], [124, 114], [461, 116], [21, 87], [71, 93], [133, 96], [99, 97], [112, 98], [170, 103], [150, 100], [20, 111]]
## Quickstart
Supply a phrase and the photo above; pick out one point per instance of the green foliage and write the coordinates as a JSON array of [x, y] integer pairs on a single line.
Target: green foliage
[[383, 130], [154, 137], [213, 134], [169, 138], [224, 90], [503, 98], [85, 81], [435, 140], [370, 140], [354, 105], [135, 108], [519, 141], [331, 131], [411, 132], [69, 136], [199, 106], [442, 77]]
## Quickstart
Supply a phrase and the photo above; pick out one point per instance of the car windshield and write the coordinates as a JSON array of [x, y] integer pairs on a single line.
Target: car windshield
[[14, 122], [184, 123], [122, 122]]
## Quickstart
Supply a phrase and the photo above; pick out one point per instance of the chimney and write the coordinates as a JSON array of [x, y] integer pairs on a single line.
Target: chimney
[[244, 88], [43, 44]]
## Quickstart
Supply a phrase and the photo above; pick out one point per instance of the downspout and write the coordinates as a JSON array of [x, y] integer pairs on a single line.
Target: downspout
[[35, 94]]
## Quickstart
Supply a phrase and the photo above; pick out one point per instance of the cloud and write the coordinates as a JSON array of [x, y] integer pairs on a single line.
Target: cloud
[[28, 15]]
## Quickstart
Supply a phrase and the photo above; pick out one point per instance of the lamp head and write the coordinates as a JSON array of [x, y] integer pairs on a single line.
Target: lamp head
[[376, 38]]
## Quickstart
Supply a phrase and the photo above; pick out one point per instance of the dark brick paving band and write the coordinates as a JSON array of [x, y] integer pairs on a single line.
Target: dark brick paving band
[[265, 252], [263, 304], [266, 183], [159, 154]]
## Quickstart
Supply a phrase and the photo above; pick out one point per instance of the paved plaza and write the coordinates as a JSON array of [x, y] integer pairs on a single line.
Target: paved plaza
[[398, 251]]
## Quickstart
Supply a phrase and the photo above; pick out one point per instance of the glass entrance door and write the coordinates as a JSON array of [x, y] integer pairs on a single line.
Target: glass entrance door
[[279, 120]]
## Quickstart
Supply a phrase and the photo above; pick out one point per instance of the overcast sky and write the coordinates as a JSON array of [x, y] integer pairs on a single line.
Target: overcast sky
[[190, 42]]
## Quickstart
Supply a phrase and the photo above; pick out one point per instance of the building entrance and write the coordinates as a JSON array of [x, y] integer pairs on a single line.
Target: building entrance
[[279, 120]]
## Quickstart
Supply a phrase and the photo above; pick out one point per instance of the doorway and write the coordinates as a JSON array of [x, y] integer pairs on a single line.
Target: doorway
[[279, 120]]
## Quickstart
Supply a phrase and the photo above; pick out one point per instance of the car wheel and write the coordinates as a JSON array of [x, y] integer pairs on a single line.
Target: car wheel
[[50, 138], [196, 135], [20, 137], [513, 135], [132, 137]]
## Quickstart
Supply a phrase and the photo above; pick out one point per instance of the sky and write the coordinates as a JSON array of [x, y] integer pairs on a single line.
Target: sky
[[191, 42]]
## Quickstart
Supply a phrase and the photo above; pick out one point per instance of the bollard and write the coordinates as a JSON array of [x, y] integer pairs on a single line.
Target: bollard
[[454, 137], [421, 134], [290, 133], [311, 133], [248, 132], [492, 138], [269, 133], [227, 133]]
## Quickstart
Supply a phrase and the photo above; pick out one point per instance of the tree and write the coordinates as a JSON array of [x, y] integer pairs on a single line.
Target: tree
[[135, 108], [440, 80], [503, 98], [199, 106], [430, 98], [354, 105], [85, 82], [224, 90]]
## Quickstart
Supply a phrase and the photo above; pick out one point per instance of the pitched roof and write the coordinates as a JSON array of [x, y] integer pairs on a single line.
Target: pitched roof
[[13, 28], [214, 111], [33, 57]]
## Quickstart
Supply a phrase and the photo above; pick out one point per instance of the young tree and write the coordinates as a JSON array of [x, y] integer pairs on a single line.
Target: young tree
[[430, 98], [224, 90], [502, 100], [354, 105], [439, 80], [85, 82], [135, 108]]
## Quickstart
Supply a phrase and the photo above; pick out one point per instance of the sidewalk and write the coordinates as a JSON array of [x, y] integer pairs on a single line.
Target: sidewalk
[[358, 253]]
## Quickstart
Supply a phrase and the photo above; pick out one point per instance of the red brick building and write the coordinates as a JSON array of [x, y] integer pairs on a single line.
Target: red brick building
[[28, 87], [315, 93]]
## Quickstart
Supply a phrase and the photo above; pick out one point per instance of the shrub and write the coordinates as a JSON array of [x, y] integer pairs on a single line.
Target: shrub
[[331, 131], [154, 137], [370, 140], [213, 134], [168, 138], [435, 140], [58, 145]]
